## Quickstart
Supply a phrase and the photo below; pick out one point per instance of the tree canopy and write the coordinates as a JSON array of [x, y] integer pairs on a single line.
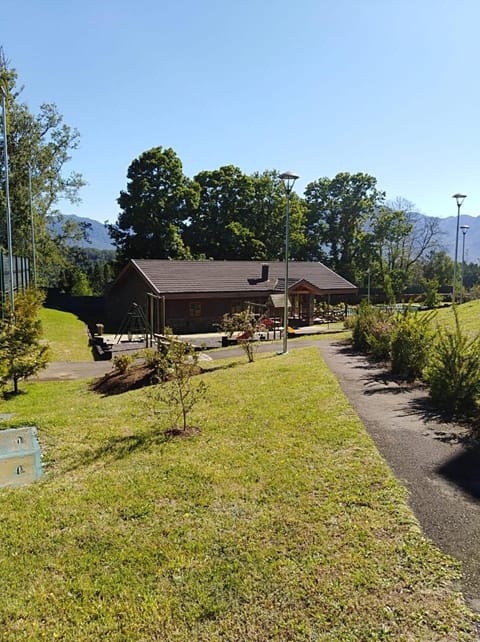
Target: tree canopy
[[338, 212], [155, 207], [226, 214], [242, 217], [39, 144]]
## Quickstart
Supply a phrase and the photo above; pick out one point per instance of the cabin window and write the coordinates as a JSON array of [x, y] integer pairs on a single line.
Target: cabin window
[[195, 309]]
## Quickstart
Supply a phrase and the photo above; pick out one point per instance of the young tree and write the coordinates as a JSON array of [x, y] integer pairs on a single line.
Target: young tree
[[155, 206], [178, 393], [246, 324], [21, 351], [41, 144]]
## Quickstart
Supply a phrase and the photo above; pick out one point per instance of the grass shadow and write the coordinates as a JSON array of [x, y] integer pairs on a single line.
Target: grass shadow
[[120, 447]]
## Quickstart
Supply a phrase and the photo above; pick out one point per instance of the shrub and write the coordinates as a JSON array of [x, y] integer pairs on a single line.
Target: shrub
[[410, 344], [122, 362], [378, 338], [150, 356], [453, 370], [246, 324], [22, 353], [432, 297], [177, 394], [371, 329]]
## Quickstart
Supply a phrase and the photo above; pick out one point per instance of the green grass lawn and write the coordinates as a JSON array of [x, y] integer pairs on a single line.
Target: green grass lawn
[[66, 336], [278, 520], [468, 315]]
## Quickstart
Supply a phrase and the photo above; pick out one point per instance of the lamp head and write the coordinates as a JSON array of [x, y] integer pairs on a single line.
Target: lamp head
[[288, 179], [464, 228], [459, 198]]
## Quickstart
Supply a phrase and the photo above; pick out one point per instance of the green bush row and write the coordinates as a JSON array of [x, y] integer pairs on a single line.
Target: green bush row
[[448, 361]]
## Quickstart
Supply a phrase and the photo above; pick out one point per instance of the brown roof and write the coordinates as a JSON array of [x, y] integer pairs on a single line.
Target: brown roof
[[175, 277]]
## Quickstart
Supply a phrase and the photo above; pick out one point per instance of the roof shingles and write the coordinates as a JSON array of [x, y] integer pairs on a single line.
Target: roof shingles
[[235, 276]]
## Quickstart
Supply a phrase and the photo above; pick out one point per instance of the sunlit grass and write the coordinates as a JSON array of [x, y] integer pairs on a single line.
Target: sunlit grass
[[66, 335], [468, 316], [277, 521]]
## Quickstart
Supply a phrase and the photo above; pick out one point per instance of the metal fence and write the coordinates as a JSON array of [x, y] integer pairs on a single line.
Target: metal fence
[[21, 274]]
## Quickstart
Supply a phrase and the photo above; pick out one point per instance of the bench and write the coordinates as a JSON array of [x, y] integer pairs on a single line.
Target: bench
[[101, 349]]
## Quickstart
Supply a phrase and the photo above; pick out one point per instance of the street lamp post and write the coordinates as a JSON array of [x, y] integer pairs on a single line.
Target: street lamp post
[[7, 200], [464, 229], [32, 225], [288, 179], [459, 198]]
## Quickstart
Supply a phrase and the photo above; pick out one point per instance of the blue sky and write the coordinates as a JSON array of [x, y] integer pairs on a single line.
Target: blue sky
[[318, 87]]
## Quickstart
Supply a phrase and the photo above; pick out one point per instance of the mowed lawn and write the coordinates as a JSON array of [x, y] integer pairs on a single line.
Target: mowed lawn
[[278, 520], [468, 316], [66, 335]]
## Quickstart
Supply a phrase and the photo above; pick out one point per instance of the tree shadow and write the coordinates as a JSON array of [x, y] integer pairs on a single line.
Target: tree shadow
[[449, 427], [384, 383], [120, 447], [463, 470]]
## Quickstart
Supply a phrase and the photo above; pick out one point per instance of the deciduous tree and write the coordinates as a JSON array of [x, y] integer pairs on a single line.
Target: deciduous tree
[[155, 206], [398, 238], [337, 212], [41, 143]]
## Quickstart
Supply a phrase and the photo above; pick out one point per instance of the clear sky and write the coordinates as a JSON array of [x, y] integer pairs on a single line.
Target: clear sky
[[386, 87]]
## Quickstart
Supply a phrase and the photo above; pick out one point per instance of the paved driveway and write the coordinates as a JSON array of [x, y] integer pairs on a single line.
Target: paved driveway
[[437, 461]]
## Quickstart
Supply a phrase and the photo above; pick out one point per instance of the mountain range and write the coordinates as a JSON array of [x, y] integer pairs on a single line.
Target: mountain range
[[448, 228], [99, 238], [97, 234]]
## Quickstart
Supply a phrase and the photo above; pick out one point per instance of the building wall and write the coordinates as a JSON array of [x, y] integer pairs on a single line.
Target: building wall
[[131, 289], [182, 315], [185, 316]]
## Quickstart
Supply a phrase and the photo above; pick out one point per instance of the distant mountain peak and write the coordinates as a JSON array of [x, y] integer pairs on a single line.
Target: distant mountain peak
[[97, 233]]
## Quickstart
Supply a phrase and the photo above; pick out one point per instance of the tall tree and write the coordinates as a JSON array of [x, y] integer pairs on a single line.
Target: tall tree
[[399, 238], [220, 225], [337, 211], [41, 143], [155, 206], [438, 265], [268, 217], [243, 216]]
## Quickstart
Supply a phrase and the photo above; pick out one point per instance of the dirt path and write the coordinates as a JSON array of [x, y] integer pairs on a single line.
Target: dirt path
[[437, 462]]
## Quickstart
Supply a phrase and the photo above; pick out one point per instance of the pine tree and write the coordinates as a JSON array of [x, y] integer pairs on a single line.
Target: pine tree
[[21, 351]]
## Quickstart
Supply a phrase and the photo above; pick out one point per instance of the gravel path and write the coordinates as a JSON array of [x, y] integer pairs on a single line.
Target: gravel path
[[437, 461]]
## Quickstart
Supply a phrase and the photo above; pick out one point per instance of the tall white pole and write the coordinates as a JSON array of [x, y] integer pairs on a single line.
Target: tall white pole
[[459, 198], [7, 201], [285, 294], [32, 223], [288, 179]]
